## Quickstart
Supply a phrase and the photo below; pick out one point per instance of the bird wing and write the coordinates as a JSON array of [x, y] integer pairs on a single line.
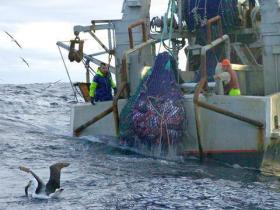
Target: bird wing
[[25, 61], [54, 180], [13, 39], [41, 184], [9, 35], [52, 84], [17, 43], [56, 81], [26, 188]]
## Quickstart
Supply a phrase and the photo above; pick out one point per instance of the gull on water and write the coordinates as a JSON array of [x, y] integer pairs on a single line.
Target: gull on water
[[52, 188]]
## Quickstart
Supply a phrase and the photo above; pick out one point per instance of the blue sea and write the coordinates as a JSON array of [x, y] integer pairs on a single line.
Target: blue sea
[[35, 132]]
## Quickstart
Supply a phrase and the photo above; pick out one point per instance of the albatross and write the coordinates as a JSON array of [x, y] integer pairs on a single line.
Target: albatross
[[52, 188], [25, 61], [13, 39]]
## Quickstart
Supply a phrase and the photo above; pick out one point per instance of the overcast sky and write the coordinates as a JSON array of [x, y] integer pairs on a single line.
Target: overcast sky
[[38, 25]]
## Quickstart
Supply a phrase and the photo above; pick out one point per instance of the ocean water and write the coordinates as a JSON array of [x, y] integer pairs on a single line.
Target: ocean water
[[35, 132]]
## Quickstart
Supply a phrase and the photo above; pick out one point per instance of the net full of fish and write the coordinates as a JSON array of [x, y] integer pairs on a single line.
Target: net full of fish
[[155, 114]]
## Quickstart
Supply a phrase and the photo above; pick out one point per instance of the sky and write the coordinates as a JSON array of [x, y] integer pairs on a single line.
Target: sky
[[38, 25]]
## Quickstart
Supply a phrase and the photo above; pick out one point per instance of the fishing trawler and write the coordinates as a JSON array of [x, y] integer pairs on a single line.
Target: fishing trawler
[[240, 130]]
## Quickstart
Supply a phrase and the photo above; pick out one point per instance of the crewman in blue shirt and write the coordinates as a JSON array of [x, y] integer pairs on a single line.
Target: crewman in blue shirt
[[102, 85]]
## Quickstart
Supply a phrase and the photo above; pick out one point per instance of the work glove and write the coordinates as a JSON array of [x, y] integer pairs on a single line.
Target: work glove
[[92, 100], [115, 91]]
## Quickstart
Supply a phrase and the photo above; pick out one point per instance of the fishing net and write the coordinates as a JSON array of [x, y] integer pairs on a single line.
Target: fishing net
[[197, 12], [155, 114]]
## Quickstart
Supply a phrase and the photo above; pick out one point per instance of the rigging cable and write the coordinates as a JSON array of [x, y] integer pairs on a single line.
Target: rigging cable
[[165, 25], [173, 10], [75, 95], [91, 70]]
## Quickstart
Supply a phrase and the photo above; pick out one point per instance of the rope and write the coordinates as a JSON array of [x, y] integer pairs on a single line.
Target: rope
[[162, 121], [76, 89], [164, 30], [173, 10], [109, 61], [68, 73], [92, 72]]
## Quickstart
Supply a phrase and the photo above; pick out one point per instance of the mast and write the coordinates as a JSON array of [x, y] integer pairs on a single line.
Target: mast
[[270, 33], [133, 11]]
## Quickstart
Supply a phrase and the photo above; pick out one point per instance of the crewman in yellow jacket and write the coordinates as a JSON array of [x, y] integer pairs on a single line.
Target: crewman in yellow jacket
[[102, 85]]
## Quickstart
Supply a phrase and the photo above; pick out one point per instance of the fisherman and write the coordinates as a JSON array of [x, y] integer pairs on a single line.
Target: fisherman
[[102, 84], [229, 79]]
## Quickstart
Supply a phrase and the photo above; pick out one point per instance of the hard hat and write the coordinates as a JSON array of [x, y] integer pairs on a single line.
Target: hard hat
[[225, 62]]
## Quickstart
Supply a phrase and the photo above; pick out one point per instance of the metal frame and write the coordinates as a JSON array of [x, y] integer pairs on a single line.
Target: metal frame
[[128, 52], [113, 108], [144, 32], [210, 22], [203, 85], [88, 57], [102, 25]]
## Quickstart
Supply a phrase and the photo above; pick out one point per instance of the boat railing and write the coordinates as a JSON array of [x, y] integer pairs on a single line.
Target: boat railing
[[215, 20], [141, 23], [203, 86]]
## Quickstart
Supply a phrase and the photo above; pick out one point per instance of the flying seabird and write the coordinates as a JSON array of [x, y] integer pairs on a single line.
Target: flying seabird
[[52, 188], [13, 39], [52, 84], [25, 61]]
